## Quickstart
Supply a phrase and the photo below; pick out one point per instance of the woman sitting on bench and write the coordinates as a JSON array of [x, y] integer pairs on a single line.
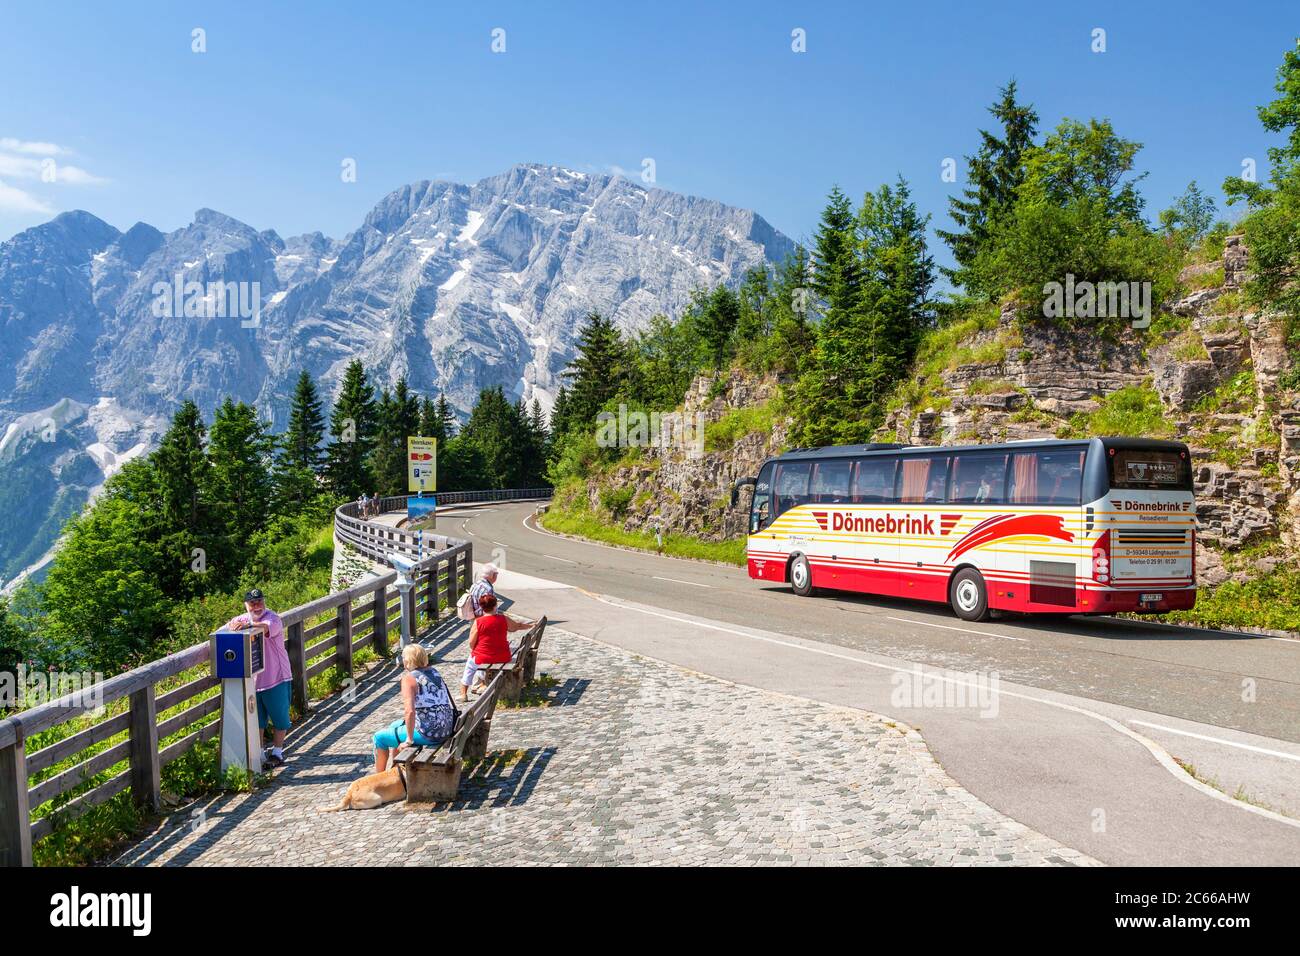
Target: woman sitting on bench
[[489, 642], [430, 714]]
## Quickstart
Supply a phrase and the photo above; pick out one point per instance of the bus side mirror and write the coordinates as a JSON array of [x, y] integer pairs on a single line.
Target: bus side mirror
[[736, 486]]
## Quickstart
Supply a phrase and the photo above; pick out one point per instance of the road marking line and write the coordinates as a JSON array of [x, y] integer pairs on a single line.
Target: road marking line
[[694, 584], [1220, 740], [1161, 756], [554, 557], [964, 630]]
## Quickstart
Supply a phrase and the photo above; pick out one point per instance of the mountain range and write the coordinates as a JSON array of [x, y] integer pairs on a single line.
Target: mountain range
[[455, 286]]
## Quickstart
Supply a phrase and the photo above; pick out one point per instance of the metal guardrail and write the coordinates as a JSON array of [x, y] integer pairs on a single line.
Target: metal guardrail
[[165, 701]]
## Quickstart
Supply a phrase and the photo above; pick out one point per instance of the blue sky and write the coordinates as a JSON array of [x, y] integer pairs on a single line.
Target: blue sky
[[142, 128]]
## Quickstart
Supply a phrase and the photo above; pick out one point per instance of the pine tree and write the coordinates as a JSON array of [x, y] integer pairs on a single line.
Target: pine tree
[[388, 456], [301, 461], [837, 278], [996, 171], [352, 425], [497, 430], [538, 444], [239, 484], [187, 524], [899, 275], [597, 370]]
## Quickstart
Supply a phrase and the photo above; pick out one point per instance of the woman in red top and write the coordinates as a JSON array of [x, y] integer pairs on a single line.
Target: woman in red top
[[489, 642]]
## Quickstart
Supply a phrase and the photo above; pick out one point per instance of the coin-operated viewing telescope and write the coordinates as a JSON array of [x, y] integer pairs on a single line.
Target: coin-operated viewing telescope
[[237, 658], [405, 584]]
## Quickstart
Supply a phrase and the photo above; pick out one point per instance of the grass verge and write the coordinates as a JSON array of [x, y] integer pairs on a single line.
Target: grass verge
[[588, 525]]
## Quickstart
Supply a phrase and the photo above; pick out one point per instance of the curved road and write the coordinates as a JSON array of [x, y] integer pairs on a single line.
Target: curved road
[[1088, 710]]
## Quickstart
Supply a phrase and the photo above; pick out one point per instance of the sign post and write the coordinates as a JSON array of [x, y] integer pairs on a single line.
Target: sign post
[[421, 477]]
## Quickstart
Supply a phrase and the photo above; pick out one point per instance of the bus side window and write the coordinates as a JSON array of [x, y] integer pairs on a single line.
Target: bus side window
[[791, 485], [979, 479], [830, 482], [874, 482], [1047, 477], [925, 480]]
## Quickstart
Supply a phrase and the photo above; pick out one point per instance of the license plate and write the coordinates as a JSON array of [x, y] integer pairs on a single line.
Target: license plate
[[1152, 598]]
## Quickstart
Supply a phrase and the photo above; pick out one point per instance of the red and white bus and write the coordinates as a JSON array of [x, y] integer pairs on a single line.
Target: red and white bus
[[1094, 526]]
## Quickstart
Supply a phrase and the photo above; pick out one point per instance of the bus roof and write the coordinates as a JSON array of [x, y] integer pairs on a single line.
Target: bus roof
[[889, 448]]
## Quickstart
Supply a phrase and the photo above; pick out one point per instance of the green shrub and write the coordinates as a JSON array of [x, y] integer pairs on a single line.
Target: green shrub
[[1133, 411]]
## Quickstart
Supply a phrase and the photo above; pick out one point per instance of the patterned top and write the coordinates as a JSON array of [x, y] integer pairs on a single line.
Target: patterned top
[[480, 588], [434, 716]]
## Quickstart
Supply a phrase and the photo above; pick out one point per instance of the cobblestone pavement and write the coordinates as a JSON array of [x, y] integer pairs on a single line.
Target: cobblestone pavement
[[628, 761]]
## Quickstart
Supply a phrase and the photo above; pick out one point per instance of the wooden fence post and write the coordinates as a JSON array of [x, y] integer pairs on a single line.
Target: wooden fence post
[[411, 606], [380, 621], [146, 770], [15, 817], [345, 637], [298, 665], [453, 590]]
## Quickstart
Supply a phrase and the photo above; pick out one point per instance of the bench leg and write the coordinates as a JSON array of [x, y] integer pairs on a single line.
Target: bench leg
[[530, 665], [477, 742], [432, 783], [512, 684]]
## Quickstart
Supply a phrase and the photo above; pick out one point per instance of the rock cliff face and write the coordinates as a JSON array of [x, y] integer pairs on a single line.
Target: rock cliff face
[[687, 490], [1208, 372]]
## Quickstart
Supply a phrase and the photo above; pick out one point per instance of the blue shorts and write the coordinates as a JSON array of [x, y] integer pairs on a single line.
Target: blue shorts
[[274, 704], [395, 733]]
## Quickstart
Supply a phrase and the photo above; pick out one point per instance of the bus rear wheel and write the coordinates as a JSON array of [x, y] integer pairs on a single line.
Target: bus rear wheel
[[800, 576], [968, 595]]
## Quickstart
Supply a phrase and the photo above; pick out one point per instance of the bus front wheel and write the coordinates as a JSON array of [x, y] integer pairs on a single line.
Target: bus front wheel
[[800, 576], [968, 595]]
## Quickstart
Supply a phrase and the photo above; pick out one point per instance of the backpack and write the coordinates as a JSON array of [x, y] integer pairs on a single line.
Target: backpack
[[465, 608]]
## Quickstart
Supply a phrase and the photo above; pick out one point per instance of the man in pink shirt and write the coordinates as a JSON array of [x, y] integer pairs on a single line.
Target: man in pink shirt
[[275, 680]]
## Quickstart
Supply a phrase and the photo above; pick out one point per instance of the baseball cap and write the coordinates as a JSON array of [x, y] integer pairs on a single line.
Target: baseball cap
[[254, 594]]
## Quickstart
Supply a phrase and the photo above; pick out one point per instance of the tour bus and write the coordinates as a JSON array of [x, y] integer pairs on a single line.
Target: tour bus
[[1095, 526]]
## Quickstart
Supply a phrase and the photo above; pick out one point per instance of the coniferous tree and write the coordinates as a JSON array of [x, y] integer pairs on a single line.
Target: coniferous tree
[[836, 276], [597, 371], [352, 424], [899, 274], [301, 460], [388, 456], [186, 523], [497, 430], [995, 173], [538, 440], [239, 484]]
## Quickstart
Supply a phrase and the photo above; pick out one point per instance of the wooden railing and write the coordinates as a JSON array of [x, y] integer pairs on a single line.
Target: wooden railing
[[377, 541], [156, 713]]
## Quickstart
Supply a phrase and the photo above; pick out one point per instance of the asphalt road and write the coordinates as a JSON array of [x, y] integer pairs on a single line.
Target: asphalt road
[[1080, 695], [1183, 672]]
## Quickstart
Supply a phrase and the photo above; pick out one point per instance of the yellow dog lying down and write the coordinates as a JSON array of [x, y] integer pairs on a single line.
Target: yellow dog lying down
[[373, 790]]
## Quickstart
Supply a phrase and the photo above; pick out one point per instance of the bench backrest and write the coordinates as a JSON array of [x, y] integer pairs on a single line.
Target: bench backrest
[[474, 715]]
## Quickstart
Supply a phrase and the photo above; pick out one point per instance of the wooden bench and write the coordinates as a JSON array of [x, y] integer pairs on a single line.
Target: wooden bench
[[522, 666], [433, 773]]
